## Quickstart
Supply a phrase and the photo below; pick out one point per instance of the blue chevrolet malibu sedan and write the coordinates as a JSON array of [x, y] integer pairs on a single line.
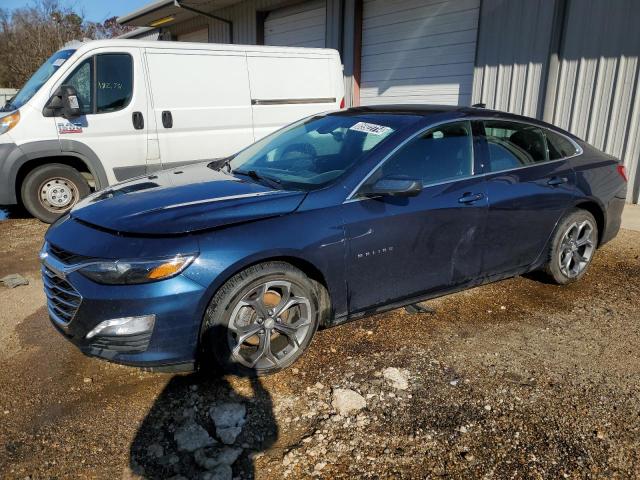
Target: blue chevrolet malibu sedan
[[333, 218]]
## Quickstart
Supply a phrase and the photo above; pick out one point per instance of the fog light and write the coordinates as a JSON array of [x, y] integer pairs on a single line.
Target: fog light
[[124, 326]]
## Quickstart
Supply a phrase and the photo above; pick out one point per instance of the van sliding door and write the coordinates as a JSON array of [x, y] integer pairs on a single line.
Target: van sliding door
[[201, 103], [287, 88]]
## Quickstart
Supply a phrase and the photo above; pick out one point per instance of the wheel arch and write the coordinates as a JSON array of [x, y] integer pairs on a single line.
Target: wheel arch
[[598, 212], [75, 154], [303, 264]]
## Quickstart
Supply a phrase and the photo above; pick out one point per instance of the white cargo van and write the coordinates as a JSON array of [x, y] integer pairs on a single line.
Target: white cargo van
[[114, 109]]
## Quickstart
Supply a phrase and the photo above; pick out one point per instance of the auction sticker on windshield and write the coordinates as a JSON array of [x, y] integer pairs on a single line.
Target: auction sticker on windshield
[[370, 128]]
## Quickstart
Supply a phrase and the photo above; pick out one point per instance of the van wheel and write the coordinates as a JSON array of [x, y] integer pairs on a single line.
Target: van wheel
[[51, 190], [263, 319], [572, 248]]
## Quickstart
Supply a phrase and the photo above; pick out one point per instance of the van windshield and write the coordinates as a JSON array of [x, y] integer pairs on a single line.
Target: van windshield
[[314, 152], [38, 79]]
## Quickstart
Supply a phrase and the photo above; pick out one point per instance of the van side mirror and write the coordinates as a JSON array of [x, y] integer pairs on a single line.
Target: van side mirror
[[392, 187], [63, 103]]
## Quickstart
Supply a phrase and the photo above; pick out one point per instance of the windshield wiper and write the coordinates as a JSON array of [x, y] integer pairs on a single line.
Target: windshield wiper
[[274, 182]]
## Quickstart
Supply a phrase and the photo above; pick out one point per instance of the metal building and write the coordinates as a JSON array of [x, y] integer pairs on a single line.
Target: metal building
[[570, 62]]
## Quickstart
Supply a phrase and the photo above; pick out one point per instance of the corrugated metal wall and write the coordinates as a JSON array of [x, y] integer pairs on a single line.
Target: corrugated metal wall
[[512, 55], [598, 82]]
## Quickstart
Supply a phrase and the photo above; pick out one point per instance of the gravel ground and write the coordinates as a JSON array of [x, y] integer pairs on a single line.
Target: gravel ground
[[518, 379]]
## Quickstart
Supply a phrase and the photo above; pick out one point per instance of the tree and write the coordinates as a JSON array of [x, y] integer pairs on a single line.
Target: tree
[[29, 35]]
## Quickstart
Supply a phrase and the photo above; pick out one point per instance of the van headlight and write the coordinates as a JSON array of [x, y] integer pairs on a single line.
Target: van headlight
[[9, 121], [125, 272]]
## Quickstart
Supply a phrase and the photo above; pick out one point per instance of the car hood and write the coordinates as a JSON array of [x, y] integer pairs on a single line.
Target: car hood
[[183, 200]]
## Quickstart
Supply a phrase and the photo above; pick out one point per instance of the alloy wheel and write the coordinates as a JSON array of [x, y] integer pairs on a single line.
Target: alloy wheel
[[269, 324], [576, 248]]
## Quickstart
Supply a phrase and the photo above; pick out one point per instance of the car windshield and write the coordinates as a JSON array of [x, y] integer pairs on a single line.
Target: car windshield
[[314, 152], [38, 79]]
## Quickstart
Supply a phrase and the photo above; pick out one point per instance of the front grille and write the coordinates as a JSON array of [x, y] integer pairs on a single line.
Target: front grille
[[67, 257], [62, 299]]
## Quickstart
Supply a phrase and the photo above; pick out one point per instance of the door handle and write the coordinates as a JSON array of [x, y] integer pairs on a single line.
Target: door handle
[[557, 181], [167, 119], [138, 120], [470, 197]]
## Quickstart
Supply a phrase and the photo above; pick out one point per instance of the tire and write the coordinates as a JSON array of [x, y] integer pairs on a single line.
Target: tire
[[236, 309], [572, 247], [51, 190]]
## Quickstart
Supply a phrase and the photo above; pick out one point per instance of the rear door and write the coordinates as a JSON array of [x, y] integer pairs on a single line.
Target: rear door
[[201, 103], [403, 247], [529, 189], [112, 94]]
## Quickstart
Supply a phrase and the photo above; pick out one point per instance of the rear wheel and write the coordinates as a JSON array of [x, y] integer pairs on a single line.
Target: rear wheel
[[51, 190], [573, 245], [263, 319]]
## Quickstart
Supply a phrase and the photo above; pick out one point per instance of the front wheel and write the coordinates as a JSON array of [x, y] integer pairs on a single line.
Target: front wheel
[[263, 319], [51, 190], [572, 248]]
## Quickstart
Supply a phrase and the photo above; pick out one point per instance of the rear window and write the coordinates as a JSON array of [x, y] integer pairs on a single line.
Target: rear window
[[559, 146]]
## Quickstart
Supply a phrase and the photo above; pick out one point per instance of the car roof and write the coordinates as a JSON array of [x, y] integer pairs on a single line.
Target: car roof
[[456, 111]]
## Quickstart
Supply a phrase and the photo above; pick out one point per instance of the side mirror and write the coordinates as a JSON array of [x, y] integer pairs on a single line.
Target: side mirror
[[63, 103], [393, 187]]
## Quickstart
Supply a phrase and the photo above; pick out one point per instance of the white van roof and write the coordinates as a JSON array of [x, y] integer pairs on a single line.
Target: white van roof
[[114, 43]]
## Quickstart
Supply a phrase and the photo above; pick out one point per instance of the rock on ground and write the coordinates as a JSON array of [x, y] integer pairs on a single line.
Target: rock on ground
[[191, 436], [229, 419], [398, 379], [221, 472], [347, 401], [210, 458]]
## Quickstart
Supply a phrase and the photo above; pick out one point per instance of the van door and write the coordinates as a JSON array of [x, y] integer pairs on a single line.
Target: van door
[[287, 88], [200, 102], [114, 123]]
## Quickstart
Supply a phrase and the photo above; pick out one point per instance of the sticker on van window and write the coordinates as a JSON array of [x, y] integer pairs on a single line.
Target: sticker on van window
[[73, 101], [68, 127], [370, 128], [59, 62]]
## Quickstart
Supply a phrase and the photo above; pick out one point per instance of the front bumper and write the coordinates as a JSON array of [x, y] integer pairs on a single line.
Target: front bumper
[[77, 305]]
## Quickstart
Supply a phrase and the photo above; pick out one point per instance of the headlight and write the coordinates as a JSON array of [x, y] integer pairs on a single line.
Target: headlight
[[9, 121], [123, 272]]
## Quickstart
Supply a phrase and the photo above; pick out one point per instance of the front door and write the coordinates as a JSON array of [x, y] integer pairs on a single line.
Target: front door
[[529, 187], [400, 247], [114, 122]]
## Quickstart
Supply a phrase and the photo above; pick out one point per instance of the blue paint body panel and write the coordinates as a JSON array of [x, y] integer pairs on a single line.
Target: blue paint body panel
[[371, 253]]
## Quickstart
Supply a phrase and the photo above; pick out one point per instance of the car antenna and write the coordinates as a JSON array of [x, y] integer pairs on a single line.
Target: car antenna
[[479, 105]]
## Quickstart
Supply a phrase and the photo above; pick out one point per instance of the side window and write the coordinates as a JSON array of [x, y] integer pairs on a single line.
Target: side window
[[114, 86], [513, 144], [82, 79], [559, 147], [442, 153], [110, 79]]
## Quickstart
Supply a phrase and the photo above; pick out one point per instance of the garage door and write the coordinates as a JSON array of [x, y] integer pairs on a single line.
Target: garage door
[[418, 51], [301, 25]]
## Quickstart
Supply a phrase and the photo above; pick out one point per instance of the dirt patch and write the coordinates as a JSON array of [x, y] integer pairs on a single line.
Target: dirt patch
[[518, 378]]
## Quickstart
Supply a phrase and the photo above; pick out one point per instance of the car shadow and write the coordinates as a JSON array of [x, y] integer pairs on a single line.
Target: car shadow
[[205, 425]]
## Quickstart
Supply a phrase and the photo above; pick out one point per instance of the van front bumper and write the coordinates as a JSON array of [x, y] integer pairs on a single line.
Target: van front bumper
[[77, 306]]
